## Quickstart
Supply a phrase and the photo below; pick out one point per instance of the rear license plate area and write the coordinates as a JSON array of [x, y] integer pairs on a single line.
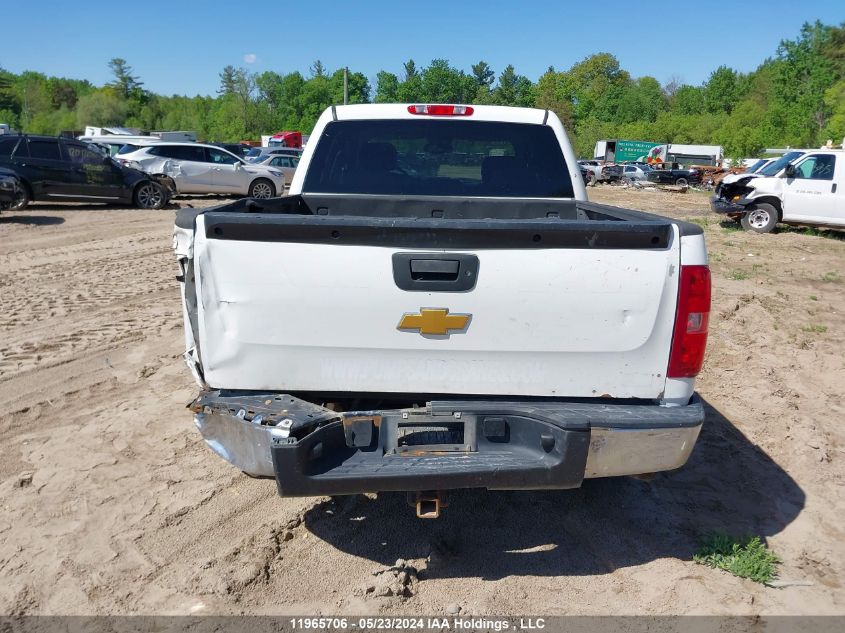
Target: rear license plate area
[[419, 437], [423, 434]]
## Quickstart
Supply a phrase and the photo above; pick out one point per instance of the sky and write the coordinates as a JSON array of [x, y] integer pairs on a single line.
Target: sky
[[180, 47]]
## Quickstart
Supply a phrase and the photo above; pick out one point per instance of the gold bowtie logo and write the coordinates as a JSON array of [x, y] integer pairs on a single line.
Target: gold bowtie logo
[[434, 321]]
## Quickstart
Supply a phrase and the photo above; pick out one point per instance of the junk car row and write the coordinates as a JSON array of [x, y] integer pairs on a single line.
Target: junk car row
[[137, 170]]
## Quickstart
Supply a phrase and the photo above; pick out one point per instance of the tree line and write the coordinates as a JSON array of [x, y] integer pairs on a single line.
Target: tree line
[[795, 98]]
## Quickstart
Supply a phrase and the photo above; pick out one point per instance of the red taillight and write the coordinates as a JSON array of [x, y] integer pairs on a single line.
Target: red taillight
[[691, 320], [441, 110]]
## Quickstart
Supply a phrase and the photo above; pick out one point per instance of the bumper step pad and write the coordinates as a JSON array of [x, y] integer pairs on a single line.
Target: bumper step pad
[[512, 453]]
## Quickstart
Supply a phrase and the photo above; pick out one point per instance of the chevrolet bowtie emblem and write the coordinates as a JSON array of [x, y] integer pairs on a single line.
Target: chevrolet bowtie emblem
[[434, 321]]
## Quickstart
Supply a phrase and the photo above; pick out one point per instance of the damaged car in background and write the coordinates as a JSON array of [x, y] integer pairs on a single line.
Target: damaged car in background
[[438, 306], [201, 168], [597, 171], [761, 169], [802, 187], [67, 170]]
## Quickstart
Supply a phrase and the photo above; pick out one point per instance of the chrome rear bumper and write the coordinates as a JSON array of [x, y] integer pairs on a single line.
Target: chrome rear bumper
[[615, 451]]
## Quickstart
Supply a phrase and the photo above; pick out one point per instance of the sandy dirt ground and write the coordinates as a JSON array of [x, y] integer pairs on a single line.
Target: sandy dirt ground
[[111, 503]]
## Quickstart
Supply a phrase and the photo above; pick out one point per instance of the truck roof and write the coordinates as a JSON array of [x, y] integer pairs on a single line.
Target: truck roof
[[507, 114]]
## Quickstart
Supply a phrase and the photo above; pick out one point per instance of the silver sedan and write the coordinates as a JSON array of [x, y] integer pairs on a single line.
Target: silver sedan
[[635, 172], [285, 164]]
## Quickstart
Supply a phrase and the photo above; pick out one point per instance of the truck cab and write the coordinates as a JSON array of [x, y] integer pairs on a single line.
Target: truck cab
[[286, 139]]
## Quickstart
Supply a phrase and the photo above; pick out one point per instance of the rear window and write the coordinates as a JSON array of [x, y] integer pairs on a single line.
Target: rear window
[[165, 151], [220, 157], [7, 145], [82, 155], [126, 149], [44, 149], [179, 152], [439, 158], [284, 161]]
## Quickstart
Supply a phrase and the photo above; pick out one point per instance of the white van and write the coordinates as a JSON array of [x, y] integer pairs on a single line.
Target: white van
[[808, 190]]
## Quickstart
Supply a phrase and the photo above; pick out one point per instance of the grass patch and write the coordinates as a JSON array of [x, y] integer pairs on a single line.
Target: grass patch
[[738, 275], [832, 277], [818, 329], [731, 227], [702, 222], [743, 557], [830, 234], [813, 298]]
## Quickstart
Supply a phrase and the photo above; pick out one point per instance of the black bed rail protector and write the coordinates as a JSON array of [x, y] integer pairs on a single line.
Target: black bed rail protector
[[439, 208], [438, 233]]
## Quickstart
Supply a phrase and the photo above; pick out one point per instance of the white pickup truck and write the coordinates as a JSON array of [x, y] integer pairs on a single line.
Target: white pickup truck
[[436, 305]]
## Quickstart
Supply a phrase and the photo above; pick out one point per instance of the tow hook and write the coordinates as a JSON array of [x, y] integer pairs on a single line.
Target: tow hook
[[428, 503]]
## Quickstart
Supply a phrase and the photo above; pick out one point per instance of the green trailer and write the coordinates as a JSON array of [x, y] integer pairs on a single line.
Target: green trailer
[[620, 151]]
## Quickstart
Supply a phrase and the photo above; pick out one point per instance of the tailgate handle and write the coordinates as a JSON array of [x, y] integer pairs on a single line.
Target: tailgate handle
[[440, 269], [444, 272]]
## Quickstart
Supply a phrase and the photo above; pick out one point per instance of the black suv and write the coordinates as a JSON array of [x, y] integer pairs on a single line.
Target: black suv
[[53, 168]]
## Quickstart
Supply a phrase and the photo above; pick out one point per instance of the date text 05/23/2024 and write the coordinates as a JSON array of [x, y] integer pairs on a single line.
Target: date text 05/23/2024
[[418, 623]]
